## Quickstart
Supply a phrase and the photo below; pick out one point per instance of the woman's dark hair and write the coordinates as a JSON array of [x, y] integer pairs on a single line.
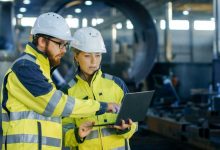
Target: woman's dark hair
[[75, 52]]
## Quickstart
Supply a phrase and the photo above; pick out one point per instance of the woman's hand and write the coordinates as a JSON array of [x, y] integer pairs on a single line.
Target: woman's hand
[[85, 128], [124, 125], [113, 108]]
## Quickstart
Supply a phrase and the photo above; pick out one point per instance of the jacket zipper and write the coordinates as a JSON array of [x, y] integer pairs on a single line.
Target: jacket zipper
[[39, 135], [97, 119], [6, 142]]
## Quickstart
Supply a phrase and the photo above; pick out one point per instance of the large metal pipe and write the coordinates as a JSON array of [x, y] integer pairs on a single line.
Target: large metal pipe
[[146, 40], [167, 34], [146, 34], [216, 6]]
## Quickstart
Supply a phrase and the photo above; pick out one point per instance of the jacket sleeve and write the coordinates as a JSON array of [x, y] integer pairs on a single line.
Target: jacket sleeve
[[69, 139], [128, 133], [70, 133], [36, 92], [72, 138]]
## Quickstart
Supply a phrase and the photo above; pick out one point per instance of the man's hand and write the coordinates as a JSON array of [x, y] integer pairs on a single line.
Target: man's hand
[[124, 125], [85, 128], [113, 107]]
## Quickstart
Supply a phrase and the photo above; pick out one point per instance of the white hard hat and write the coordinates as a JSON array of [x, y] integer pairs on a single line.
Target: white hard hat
[[89, 40], [52, 24]]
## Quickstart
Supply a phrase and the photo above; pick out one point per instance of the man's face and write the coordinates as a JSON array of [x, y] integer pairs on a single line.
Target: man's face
[[55, 50]]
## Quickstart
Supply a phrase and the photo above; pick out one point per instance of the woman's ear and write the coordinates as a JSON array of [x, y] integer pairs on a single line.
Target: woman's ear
[[76, 56], [76, 59]]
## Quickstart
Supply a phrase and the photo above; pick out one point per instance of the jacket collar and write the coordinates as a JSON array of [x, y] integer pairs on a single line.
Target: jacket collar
[[96, 76], [40, 56]]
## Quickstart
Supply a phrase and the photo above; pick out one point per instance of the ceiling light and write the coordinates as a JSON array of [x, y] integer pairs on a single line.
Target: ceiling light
[[185, 12], [19, 15], [22, 9], [204, 25], [78, 10], [73, 22], [14, 21], [88, 3], [84, 22], [94, 22], [28, 21], [129, 24], [26, 2], [162, 24], [69, 16], [99, 20], [119, 25], [179, 25]]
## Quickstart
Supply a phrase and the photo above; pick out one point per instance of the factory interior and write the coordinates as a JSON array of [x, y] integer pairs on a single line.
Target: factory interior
[[170, 46]]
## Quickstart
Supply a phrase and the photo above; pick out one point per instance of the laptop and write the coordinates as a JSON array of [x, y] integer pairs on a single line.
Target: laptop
[[134, 106]]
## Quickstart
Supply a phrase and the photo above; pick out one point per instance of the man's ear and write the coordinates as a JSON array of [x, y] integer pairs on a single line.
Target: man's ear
[[41, 43]]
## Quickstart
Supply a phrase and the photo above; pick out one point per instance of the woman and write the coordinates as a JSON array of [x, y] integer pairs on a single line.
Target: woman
[[90, 83]]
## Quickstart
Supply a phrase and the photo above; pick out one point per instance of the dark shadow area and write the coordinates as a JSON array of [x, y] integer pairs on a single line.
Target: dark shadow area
[[147, 140]]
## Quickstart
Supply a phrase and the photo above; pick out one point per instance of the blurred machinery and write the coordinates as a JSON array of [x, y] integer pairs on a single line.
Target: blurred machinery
[[7, 37], [195, 121], [188, 110]]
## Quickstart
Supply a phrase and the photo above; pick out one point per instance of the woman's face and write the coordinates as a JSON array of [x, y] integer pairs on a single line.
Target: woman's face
[[88, 62]]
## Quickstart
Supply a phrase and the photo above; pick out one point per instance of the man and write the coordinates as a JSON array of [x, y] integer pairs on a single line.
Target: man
[[31, 105]]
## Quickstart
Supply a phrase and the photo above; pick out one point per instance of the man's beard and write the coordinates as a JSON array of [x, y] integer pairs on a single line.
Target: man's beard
[[52, 59]]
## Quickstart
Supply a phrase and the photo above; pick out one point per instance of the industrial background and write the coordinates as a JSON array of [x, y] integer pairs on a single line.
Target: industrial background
[[170, 46]]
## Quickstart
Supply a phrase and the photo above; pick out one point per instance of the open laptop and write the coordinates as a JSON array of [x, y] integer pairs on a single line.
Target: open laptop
[[134, 106]]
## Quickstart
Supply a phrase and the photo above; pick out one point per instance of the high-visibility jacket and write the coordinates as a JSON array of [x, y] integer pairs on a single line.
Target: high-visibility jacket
[[32, 107], [103, 87]]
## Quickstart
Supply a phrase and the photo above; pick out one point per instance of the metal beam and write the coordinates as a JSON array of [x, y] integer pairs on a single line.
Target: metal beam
[[48, 6], [216, 6]]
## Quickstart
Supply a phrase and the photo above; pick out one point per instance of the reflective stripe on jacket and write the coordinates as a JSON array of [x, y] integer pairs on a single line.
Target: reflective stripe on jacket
[[32, 107], [106, 88]]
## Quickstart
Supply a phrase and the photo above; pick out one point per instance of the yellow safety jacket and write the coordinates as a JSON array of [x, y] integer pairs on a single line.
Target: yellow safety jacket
[[32, 107], [103, 87]]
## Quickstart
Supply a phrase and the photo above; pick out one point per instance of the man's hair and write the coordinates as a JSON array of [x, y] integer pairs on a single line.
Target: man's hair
[[37, 36]]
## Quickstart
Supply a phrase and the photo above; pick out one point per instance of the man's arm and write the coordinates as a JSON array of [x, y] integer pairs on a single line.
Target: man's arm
[[34, 91]]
